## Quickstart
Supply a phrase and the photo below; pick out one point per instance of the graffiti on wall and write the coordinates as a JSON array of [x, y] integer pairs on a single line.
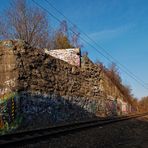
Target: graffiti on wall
[[8, 111], [124, 106], [71, 56], [116, 106], [9, 106], [3, 91], [10, 83], [111, 107]]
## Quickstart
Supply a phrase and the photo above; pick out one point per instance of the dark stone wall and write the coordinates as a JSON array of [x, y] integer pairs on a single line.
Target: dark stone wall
[[41, 72], [40, 110], [47, 90]]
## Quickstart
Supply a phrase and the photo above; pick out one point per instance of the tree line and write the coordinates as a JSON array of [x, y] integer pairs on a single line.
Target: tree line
[[141, 105], [31, 24], [112, 72]]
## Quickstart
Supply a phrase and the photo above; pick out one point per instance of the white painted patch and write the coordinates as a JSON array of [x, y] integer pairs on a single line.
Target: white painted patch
[[10, 83]]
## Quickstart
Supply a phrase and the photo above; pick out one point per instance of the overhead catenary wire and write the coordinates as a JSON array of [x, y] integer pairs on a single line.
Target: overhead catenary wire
[[124, 69], [100, 46], [128, 73]]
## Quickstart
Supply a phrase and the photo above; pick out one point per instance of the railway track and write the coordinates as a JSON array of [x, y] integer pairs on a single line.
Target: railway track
[[41, 134]]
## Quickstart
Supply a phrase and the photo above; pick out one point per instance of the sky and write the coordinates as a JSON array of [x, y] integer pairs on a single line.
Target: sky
[[119, 26]]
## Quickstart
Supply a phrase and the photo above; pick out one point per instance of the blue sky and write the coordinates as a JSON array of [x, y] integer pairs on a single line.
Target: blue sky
[[120, 26]]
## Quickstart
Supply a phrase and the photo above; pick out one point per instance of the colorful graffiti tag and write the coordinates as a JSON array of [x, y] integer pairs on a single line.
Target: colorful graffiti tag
[[116, 106], [9, 106]]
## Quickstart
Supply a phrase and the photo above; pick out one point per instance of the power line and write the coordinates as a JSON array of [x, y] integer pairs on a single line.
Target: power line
[[70, 29], [130, 74], [95, 42], [92, 40]]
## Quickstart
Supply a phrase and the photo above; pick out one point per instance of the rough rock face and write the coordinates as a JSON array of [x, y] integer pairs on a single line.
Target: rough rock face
[[42, 90], [9, 104], [8, 72], [49, 75]]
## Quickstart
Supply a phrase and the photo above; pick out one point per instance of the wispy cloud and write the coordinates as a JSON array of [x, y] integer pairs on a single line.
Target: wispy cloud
[[108, 34]]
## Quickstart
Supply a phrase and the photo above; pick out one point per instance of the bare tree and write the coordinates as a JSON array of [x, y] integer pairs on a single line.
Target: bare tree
[[61, 37], [26, 23], [143, 104], [3, 28], [75, 37], [113, 73]]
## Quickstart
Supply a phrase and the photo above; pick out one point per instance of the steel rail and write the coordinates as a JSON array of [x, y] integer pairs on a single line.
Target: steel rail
[[39, 134]]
